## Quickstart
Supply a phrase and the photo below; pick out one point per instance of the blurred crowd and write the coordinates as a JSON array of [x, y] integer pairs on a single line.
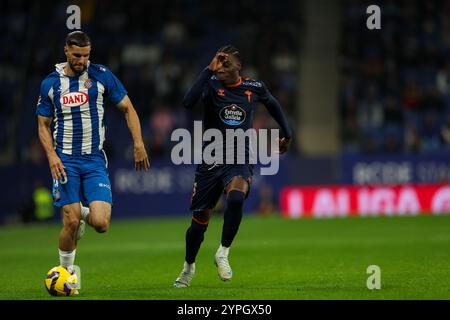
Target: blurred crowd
[[395, 89], [156, 48]]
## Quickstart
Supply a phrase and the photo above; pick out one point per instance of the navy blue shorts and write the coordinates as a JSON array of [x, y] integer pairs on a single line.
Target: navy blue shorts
[[87, 180], [211, 181]]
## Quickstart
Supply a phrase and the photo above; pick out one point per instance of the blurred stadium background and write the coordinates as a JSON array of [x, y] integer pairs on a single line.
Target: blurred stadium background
[[367, 106], [370, 110]]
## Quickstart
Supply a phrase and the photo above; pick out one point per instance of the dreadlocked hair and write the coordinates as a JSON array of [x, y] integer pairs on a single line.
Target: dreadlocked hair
[[231, 50]]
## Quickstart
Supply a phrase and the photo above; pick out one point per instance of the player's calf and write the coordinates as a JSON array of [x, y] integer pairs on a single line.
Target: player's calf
[[195, 233], [232, 216]]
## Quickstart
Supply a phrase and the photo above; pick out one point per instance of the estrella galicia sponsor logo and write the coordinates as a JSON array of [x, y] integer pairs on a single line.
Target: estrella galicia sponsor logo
[[74, 99], [232, 115]]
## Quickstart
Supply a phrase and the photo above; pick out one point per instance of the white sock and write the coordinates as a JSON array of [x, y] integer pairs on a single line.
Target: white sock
[[223, 251], [189, 267], [66, 258], [84, 213]]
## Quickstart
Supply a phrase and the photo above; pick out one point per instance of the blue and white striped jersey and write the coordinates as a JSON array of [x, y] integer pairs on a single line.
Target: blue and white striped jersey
[[77, 106]]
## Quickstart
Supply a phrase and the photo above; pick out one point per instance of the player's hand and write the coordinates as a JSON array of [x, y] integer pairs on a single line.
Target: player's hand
[[217, 61], [283, 145], [57, 167], [141, 161]]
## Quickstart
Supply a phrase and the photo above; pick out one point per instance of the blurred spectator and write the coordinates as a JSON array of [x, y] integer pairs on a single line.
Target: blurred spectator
[[370, 110], [37, 155], [413, 141], [411, 95], [40, 207], [443, 78], [445, 133], [431, 140], [351, 134], [393, 114], [162, 122]]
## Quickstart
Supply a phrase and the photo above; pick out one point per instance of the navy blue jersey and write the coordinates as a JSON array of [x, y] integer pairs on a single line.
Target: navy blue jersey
[[232, 107]]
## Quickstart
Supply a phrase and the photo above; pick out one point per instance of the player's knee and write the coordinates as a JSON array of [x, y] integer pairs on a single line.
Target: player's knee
[[70, 219], [235, 198], [71, 223], [100, 224], [202, 217]]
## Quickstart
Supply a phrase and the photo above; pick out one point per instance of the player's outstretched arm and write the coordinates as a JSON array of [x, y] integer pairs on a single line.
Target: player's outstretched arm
[[141, 160], [45, 136], [275, 110]]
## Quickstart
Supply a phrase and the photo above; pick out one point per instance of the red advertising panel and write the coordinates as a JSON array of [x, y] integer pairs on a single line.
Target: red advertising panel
[[341, 201]]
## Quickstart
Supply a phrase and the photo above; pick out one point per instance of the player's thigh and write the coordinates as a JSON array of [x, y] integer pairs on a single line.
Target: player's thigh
[[69, 192], [100, 211], [238, 177], [206, 191], [95, 183], [237, 183]]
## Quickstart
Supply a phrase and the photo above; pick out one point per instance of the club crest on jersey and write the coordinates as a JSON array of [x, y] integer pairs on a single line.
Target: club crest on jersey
[[221, 92], [232, 115], [74, 99], [88, 84]]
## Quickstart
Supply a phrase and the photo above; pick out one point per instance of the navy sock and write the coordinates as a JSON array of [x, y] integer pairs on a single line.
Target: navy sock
[[194, 238], [232, 216]]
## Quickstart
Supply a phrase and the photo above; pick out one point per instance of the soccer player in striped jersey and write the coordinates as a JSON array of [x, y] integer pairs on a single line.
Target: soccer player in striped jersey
[[74, 97]]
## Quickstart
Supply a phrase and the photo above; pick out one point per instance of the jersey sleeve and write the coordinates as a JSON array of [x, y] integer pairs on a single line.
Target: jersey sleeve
[[264, 93], [114, 88], [199, 89], [275, 110], [45, 105]]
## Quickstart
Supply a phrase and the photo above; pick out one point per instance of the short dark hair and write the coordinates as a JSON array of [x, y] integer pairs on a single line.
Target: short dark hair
[[231, 50], [78, 38]]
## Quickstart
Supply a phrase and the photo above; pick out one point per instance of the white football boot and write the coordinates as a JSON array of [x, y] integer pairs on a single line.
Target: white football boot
[[81, 229], [223, 266], [185, 277], [82, 226]]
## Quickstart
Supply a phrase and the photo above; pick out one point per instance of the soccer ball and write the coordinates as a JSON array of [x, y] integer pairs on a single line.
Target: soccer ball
[[61, 282]]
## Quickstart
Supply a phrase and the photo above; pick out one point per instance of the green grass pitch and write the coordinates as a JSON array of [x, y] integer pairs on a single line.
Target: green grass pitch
[[272, 258]]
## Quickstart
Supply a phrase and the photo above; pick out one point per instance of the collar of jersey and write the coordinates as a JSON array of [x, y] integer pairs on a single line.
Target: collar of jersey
[[235, 84], [60, 69]]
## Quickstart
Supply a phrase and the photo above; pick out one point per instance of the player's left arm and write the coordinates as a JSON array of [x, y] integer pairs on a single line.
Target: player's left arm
[[276, 111], [141, 160]]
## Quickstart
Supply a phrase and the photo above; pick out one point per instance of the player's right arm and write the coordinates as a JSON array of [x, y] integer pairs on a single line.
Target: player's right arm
[[276, 111], [44, 112], [45, 136], [195, 92]]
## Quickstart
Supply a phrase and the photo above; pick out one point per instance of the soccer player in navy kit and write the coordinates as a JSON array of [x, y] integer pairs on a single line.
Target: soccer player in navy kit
[[73, 96], [229, 102]]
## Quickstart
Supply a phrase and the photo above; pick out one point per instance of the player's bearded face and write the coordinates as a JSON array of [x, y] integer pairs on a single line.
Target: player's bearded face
[[78, 57]]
